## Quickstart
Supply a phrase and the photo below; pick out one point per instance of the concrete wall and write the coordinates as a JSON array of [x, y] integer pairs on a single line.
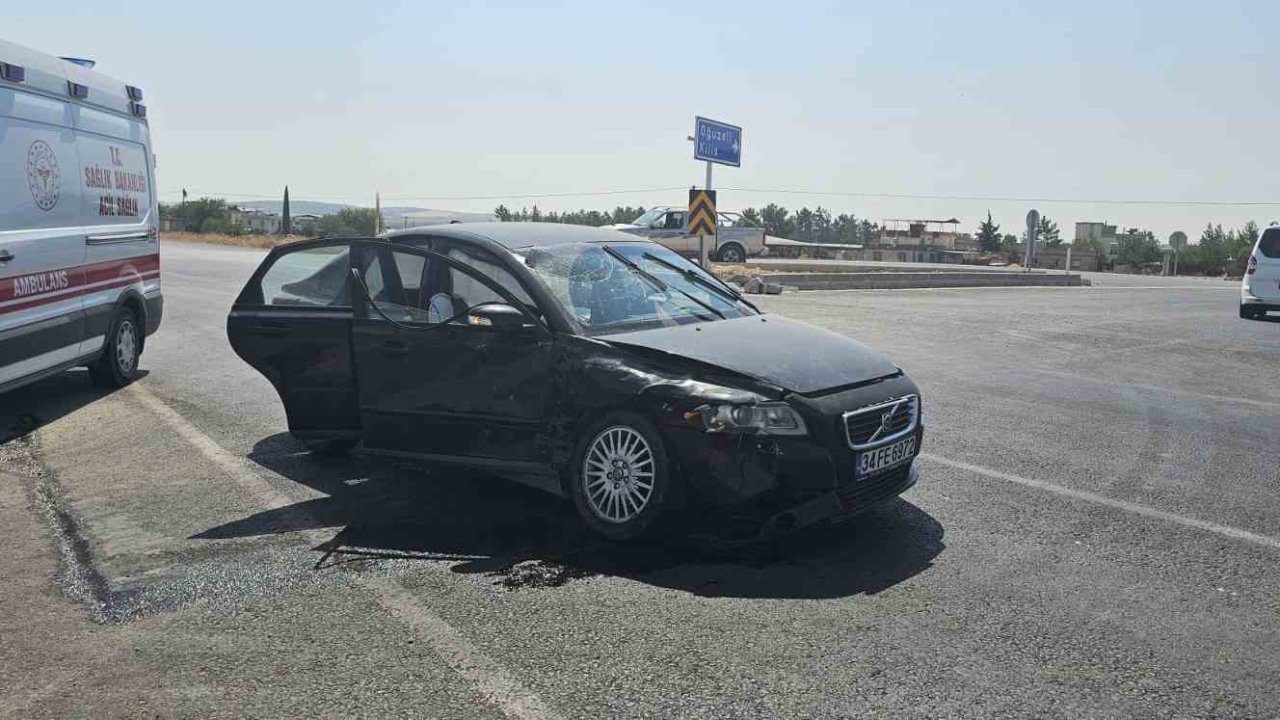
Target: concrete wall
[[904, 280]]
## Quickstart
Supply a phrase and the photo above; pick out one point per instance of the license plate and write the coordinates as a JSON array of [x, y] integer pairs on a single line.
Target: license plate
[[870, 462]]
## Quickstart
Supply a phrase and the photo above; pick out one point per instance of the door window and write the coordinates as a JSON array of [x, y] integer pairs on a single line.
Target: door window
[[309, 277], [394, 279], [467, 292]]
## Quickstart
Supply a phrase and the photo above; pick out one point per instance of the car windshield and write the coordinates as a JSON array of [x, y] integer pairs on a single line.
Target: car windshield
[[648, 218], [630, 286]]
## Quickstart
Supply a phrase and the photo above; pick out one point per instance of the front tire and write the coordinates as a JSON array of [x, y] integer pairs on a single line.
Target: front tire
[[732, 253], [621, 480], [118, 365]]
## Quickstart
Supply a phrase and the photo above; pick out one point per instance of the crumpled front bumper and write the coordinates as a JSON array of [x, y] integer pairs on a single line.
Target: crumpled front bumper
[[843, 502]]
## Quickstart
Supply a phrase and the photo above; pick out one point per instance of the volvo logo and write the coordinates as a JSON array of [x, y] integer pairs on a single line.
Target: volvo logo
[[886, 420]]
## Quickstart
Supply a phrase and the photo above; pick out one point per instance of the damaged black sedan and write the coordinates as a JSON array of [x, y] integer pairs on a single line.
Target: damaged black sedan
[[587, 362]]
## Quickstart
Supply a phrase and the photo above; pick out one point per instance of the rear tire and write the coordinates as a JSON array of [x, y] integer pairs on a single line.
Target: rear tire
[[1247, 313], [118, 365], [731, 253], [621, 480]]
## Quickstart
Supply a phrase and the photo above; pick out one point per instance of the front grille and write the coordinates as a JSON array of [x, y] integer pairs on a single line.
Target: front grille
[[864, 493], [881, 422]]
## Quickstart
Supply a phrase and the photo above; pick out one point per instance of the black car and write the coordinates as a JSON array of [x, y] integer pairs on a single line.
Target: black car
[[598, 366]]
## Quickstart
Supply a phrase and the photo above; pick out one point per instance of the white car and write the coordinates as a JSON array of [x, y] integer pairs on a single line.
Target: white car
[[79, 255], [736, 238], [1260, 288]]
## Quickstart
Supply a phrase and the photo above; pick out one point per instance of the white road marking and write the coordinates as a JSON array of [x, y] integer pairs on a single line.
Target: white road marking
[[491, 681], [1086, 496], [1158, 389], [212, 451], [1072, 288], [494, 683]]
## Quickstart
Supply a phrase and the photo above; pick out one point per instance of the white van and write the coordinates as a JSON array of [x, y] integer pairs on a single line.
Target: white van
[[1260, 287], [79, 257]]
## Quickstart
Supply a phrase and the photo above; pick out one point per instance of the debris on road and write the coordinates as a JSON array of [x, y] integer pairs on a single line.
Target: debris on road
[[539, 574]]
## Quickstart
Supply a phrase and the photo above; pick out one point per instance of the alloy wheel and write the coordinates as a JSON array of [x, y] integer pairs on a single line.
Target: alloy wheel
[[618, 474]]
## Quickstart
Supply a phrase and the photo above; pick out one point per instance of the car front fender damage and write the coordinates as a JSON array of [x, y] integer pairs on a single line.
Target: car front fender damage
[[594, 377]]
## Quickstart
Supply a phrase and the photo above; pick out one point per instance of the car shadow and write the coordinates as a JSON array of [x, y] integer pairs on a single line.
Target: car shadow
[[523, 537], [33, 406]]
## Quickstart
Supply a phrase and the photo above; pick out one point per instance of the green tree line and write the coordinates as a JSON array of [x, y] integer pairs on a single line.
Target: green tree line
[[214, 215], [817, 225]]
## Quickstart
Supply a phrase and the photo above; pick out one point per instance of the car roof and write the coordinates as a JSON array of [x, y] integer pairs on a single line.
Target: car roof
[[514, 235]]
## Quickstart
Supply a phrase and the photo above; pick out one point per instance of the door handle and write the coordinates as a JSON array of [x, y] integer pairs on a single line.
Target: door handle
[[5, 256], [269, 327], [394, 347]]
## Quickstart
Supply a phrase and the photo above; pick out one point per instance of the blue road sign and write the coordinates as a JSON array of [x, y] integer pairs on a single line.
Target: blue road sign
[[717, 142]]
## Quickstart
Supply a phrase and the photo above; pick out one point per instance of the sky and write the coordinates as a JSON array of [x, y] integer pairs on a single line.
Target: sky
[[466, 105]]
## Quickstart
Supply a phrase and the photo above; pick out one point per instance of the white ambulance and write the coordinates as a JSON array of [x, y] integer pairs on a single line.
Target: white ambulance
[[79, 257]]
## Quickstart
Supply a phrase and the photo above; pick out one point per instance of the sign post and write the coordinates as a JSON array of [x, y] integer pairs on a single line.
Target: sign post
[[716, 143], [1177, 241], [702, 218]]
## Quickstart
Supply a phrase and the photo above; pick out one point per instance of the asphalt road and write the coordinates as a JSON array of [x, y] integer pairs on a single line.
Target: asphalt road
[[1096, 534]]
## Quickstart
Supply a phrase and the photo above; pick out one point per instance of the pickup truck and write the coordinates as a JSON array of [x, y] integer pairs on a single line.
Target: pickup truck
[[736, 238]]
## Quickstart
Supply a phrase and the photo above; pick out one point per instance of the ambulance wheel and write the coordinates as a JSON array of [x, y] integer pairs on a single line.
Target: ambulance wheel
[[118, 365]]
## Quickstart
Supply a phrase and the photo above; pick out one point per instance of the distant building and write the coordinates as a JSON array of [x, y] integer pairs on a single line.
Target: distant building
[[1054, 257], [934, 241], [304, 224], [258, 222], [1103, 234]]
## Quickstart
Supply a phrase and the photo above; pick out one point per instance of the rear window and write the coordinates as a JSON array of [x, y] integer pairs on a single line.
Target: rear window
[[1269, 244]]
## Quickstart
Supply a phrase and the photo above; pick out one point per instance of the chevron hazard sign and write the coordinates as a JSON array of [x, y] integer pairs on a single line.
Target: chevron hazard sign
[[702, 212]]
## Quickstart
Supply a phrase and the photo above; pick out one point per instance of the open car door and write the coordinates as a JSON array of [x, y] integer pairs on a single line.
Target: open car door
[[292, 323], [451, 364]]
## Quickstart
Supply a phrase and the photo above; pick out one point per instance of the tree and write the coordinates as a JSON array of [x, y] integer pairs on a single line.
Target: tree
[[804, 224], [1240, 242], [989, 235], [822, 231], [867, 232], [1213, 248], [845, 229], [502, 213], [1137, 247], [776, 221], [348, 221], [1009, 247], [752, 217], [1049, 234], [286, 222], [197, 215]]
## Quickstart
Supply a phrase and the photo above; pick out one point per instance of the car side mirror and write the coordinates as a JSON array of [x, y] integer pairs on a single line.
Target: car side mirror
[[499, 315]]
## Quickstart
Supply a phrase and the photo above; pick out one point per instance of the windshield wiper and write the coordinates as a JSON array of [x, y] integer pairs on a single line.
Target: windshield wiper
[[653, 279], [723, 291]]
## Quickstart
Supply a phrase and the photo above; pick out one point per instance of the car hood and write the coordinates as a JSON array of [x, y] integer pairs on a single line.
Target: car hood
[[787, 353]]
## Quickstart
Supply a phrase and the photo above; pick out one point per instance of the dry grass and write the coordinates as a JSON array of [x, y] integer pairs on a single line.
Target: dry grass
[[725, 271], [250, 241]]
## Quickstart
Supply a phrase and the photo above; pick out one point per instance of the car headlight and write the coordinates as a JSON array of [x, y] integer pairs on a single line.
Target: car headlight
[[768, 418]]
